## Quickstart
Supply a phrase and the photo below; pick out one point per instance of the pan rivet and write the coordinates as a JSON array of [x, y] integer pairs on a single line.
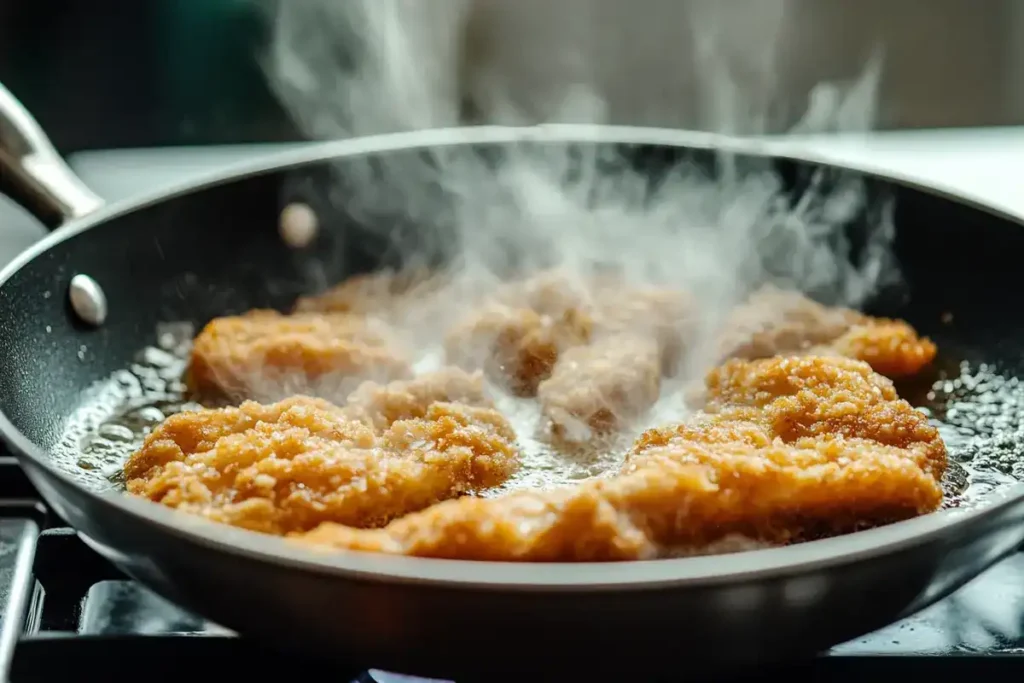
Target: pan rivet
[[87, 300], [298, 225]]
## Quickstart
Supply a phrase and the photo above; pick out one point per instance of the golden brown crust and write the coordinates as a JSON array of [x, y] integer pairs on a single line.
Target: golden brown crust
[[824, 398], [199, 431], [266, 356], [794, 448], [290, 466], [891, 347], [781, 322]]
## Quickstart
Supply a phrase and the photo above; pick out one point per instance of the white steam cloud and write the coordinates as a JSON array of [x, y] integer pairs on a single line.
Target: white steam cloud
[[360, 67]]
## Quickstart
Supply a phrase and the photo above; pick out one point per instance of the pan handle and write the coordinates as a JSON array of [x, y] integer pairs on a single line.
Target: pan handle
[[33, 173]]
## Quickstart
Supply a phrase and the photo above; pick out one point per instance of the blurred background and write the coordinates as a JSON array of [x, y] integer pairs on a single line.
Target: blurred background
[[113, 74]]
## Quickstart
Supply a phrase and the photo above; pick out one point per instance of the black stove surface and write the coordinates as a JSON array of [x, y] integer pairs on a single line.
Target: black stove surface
[[66, 614]]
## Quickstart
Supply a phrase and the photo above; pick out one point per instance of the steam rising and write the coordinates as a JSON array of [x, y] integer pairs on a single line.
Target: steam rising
[[364, 67]]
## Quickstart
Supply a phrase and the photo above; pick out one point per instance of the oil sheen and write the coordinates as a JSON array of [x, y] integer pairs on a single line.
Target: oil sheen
[[978, 411]]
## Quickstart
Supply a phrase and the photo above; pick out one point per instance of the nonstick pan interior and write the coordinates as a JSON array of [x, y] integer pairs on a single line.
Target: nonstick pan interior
[[217, 250]]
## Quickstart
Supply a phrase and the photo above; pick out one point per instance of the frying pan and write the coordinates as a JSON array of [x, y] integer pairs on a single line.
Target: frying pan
[[212, 247]]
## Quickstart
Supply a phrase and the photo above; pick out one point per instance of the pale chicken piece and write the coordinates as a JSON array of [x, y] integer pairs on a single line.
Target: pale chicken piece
[[548, 293], [290, 466], [774, 321], [381, 405], [517, 335], [520, 334], [601, 387], [664, 314], [266, 356], [796, 448], [616, 306], [780, 322], [516, 346]]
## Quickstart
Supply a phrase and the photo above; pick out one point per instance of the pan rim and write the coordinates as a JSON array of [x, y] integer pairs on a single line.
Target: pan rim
[[689, 572]]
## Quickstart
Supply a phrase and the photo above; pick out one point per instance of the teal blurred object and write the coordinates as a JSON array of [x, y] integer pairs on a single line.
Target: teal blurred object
[[215, 72], [109, 74]]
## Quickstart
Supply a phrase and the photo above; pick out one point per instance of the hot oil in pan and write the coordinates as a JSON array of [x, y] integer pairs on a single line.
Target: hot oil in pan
[[978, 410], [116, 416], [980, 415]]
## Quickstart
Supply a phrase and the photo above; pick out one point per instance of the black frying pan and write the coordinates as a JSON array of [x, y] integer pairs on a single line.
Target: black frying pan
[[213, 247]]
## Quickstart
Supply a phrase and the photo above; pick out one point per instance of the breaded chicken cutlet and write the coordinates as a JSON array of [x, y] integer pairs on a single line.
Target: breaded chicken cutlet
[[289, 466], [266, 356], [790, 449], [781, 322]]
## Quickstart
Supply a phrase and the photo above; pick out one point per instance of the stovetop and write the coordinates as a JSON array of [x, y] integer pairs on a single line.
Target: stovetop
[[64, 611]]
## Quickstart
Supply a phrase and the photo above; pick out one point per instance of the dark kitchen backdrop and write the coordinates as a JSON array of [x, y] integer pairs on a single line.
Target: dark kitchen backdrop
[[131, 73], [120, 73]]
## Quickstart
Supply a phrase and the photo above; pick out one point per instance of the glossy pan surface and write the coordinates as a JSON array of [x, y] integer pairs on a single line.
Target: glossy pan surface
[[213, 248]]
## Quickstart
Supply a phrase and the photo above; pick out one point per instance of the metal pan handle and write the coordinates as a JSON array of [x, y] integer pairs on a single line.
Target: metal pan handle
[[33, 173]]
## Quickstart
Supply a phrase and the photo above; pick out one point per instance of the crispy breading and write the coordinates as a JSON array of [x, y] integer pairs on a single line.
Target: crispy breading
[[773, 322], [601, 387], [791, 449], [823, 398], [266, 356], [379, 406], [891, 347], [805, 399], [290, 466]]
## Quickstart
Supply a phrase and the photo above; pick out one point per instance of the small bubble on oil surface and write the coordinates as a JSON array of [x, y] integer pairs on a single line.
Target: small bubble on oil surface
[[980, 415]]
